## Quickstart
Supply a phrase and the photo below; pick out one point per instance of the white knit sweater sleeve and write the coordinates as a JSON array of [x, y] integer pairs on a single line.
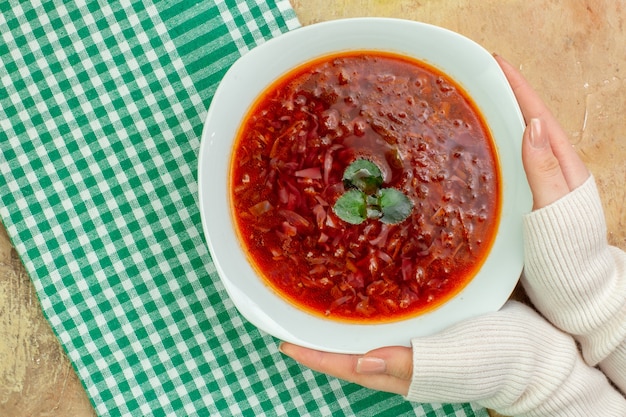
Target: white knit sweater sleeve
[[512, 361], [577, 280]]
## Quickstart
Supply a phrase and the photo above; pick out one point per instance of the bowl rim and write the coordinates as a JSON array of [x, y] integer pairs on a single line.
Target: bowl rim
[[270, 312]]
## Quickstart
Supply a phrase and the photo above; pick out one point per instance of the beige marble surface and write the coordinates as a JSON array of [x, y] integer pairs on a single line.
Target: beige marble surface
[[573, 52]]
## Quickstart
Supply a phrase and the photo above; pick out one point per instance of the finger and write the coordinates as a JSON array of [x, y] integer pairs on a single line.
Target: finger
[[340, 365], [543, 171], [574, 170], [345, 367], [398, 361], [533, 107]]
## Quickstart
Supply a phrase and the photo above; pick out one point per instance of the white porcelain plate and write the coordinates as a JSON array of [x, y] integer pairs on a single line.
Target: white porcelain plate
[[463, 60]]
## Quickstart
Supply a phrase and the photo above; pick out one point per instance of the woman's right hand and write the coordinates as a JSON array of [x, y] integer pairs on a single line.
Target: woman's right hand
[[571, 274]]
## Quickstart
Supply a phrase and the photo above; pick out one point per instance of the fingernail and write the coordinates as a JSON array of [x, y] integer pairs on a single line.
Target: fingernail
[[281, 348], [538, 139], [369, 365]]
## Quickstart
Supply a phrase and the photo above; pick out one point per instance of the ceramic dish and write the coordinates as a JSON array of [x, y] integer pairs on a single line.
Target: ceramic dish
[[464, 61]]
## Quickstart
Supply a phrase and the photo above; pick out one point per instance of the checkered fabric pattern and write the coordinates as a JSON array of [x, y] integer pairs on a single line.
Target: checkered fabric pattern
[[101, 111]]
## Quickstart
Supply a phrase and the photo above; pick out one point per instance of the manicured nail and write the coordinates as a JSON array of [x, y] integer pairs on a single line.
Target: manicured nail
[[281, 348], [369, 365], [538, 139]]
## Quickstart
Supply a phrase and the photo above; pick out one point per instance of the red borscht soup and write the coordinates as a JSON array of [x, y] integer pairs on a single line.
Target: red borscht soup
[[428, 142]]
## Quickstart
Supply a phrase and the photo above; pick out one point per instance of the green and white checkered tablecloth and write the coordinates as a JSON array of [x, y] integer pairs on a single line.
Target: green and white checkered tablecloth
[[101, 111]]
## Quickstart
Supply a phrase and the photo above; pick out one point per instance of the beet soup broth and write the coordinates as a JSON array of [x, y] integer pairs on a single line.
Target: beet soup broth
[[428, 140]]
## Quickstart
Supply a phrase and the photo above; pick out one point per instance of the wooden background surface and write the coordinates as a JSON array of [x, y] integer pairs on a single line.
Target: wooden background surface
[[573, 52]]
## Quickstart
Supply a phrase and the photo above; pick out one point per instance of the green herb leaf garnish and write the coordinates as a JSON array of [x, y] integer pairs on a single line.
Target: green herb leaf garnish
[[363, 175], [351, 207], [366, 200], [394, 205]]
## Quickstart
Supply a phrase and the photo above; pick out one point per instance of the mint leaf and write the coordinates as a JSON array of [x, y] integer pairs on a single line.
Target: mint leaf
[[363, 175], [366, 200], [351, 207], [394, 205]]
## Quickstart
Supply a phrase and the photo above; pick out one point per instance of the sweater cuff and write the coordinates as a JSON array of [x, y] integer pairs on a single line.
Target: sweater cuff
[[571, 273], [586, 393], [514, 362], [614, 366]]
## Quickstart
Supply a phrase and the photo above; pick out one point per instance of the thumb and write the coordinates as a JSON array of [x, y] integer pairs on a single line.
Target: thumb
[[395, 361], [544, 173]]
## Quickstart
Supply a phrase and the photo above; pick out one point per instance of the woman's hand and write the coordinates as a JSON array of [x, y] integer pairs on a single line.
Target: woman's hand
[[571, 273], [386, 369], [512, 361]]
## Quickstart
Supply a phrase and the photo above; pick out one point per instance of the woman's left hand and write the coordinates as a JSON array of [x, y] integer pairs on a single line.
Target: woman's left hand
[[386, 369], [512, 361]]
